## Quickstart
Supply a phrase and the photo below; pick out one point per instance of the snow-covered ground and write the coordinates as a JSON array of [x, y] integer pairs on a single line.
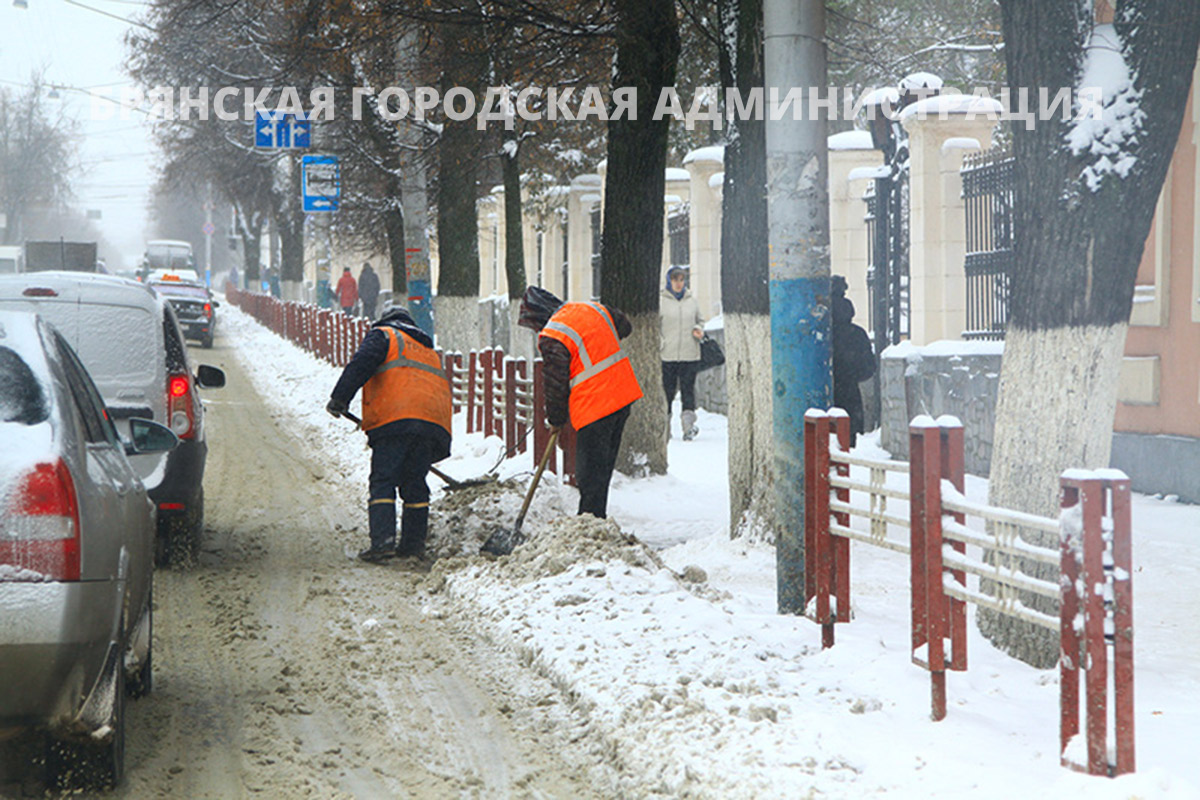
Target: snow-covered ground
[[704, 691]]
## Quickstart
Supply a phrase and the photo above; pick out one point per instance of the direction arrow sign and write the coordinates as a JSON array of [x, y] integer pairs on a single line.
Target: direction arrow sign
[[281, 131], [320, 183]]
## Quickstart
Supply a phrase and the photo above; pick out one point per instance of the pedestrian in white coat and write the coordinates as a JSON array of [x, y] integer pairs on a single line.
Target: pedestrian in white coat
[[682, 329]]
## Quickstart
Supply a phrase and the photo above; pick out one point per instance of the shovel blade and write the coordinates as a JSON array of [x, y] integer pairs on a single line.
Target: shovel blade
[[502, 542]]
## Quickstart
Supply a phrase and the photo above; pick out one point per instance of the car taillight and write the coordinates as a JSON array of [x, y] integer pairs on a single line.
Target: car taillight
[[208, 309], [180, 414], [40, 532]]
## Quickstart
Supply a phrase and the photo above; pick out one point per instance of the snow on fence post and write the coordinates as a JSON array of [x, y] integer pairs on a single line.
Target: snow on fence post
[[1083, 543], [928, 598], [485, 361], [510, 405], [1122, 553], [953, 468], [840, 420], [472, 366], [522, 401], [499, 399]]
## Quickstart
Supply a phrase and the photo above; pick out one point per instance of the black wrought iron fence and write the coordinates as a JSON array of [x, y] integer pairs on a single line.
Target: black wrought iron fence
[[987, 180], [887, 201]]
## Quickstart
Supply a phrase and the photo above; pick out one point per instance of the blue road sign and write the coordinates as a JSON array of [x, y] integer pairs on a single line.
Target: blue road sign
[[320, 183], [281, 131]]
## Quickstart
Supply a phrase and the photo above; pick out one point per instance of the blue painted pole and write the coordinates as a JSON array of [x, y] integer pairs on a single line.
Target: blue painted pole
[[798, 208]]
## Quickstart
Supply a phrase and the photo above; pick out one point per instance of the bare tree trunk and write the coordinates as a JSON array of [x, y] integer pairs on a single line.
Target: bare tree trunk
[[514, 243], [289, 220], [745, 298], [647, 48], [1080, 230], [458, 228]]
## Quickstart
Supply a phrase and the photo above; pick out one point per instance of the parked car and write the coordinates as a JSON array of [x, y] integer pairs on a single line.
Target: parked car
[[129, 339], [194, 307], [76, 557]]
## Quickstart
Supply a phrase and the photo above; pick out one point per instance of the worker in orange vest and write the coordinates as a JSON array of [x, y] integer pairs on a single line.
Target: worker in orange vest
[[588, 379], [406, 414]]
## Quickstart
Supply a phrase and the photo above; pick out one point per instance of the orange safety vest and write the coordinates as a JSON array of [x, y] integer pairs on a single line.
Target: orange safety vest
[[410, 384], [602, 379]]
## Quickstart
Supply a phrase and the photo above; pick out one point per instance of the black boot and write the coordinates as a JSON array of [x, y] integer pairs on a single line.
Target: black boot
[[414, 525]]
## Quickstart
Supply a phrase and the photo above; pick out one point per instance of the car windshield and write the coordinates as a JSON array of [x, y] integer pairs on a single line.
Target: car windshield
[[22, 396], [180, 290]]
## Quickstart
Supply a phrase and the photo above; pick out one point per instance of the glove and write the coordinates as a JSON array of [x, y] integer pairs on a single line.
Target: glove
[[337, 407]]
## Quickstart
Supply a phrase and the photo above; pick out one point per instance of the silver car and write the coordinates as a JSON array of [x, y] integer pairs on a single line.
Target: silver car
[[76, 556]]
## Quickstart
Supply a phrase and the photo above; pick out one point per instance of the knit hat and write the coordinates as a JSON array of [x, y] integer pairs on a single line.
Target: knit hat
[[537, 306]]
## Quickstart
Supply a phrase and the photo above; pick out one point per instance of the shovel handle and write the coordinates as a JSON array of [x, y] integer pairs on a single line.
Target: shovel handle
[[536, 477]]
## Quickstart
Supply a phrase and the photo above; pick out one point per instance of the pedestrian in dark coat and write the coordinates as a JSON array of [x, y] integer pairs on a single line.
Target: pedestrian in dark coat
[[406, 414], [853, 359], [347, 292], [587, 379], [368, 290]]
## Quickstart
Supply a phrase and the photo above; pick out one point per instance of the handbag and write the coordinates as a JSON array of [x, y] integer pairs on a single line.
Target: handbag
[[710, 353]]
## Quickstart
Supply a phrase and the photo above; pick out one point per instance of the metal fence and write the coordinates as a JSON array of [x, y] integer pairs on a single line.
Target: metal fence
[[887, 217], [1094, 589], [987, 180]]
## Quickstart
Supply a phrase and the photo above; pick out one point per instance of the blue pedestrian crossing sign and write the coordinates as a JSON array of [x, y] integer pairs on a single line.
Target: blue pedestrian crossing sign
[[320, 183], [277, 130]]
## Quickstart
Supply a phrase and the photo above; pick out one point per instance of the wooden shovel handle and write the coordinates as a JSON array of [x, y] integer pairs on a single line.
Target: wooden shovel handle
[[536, 477]]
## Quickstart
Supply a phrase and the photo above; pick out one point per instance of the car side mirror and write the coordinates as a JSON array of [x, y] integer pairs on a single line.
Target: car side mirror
[[147, 436], [209, 377]]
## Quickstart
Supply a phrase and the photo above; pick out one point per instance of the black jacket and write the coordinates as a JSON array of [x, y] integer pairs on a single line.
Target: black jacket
[[367, 359], [368, 286], [556, 372]]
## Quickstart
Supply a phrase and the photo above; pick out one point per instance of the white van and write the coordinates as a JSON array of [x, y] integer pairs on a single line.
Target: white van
[[128, 338], [169, 257]]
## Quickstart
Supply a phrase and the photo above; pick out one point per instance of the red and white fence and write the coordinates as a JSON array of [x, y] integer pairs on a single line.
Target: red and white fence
[[1093, 588], [501, 396]]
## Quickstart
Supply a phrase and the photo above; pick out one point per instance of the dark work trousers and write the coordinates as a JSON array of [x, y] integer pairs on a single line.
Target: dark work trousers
[[683, 374], [596, 449], [368, 309], [399, 462]]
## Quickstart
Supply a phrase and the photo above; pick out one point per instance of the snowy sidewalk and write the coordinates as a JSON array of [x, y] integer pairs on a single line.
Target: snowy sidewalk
[[705, 692]]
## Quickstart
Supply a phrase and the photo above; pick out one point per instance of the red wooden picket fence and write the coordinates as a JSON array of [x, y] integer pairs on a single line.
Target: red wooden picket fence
[[498, 394], [1094, 585]]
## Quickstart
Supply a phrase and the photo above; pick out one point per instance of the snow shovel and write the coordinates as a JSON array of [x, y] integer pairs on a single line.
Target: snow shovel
[[502, 542], [451, 483]]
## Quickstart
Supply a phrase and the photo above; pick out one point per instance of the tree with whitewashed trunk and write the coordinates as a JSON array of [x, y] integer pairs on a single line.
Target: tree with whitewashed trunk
[[745, 295], [647, 37], [456, 307], [1086, 189]]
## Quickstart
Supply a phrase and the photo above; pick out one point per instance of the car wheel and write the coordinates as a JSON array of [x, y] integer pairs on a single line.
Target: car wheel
[[142, 683], [89, 765]]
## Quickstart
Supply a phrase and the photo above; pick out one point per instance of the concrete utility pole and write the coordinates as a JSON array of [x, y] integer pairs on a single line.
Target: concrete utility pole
[[798, 214]]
